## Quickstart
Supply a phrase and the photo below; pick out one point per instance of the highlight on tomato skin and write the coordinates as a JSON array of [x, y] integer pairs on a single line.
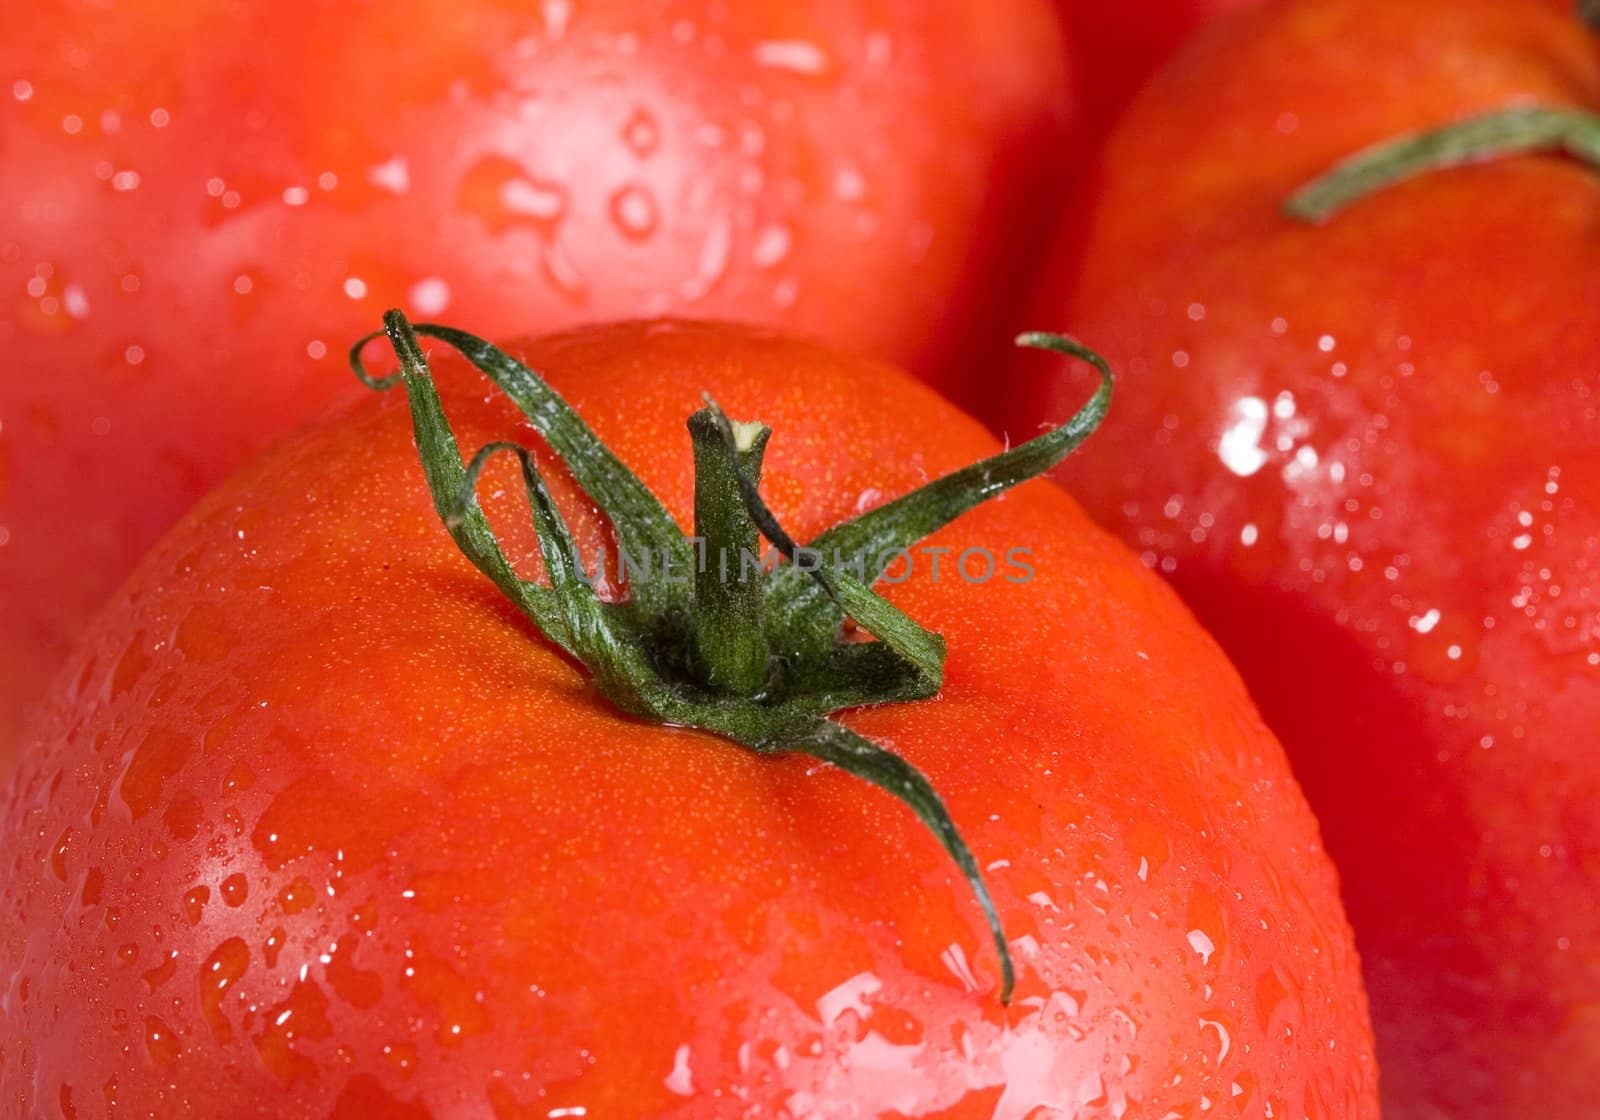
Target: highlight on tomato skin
[[316, 824], [1364, 450], [191, 190]]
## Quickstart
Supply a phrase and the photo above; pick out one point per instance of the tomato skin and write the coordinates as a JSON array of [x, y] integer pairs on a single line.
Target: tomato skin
[[309, 761], [187, 188], [1366, 453]]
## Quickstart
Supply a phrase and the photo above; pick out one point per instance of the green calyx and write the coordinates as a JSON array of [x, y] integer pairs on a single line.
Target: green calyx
[[712, 635], [1491, 136]]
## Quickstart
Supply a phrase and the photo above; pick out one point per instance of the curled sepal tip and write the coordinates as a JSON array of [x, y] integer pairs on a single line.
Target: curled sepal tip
[[886, 530], [1476, 140], [841, 747]]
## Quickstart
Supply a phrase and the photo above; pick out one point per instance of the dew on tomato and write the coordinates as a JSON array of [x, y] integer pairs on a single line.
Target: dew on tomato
[[446, 845], [1376, 465]]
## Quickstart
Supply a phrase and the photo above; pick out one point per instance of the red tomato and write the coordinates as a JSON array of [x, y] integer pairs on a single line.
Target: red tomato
[[1367, 453], [317, 826], [192, 190]]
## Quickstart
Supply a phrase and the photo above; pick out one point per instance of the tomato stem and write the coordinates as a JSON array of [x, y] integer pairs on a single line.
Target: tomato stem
[[729, 618], [1491, 136], [730, 634]]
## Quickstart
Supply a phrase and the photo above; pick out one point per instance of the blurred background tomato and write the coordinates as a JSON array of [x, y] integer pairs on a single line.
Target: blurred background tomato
[[203, 204], [1367, 453]]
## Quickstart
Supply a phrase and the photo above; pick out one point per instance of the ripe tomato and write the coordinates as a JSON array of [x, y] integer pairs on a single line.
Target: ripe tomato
[[1368, 455], [188, 190], [317, 826]]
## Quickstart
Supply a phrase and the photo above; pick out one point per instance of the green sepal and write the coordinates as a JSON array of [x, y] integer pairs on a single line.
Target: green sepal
[[1490, 136], [648, 654], [900, 523], [641, 523], [829, 742], [729, 592], [922, 650]]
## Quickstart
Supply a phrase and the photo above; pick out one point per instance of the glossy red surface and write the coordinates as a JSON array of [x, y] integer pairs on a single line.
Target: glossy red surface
[[1368, 456]]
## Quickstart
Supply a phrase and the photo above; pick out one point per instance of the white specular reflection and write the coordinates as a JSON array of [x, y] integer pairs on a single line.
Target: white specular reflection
[[1240, 447]]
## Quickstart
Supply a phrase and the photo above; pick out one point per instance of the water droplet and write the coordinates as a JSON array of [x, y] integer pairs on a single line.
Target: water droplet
[[194, 903], [1224, 1037], [357, 986], [500, 192], [273, 946], [794, 55], [58, 855], [713, 260], [305, 818], [235, 889], [429, 296], [93, 886], [458, 1004], [848, 184], [560, 271], [297, 896], [772, 246], [541, 200], [1270, 994], [156, 760], [954, 958], [681, 1079], [240, 778], [183, 816], [641, 133], [75, 301], [633, 210], [393, 175], [557, 15], [160, 1042], [222, 968], [304, 1014], [162, 972]]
